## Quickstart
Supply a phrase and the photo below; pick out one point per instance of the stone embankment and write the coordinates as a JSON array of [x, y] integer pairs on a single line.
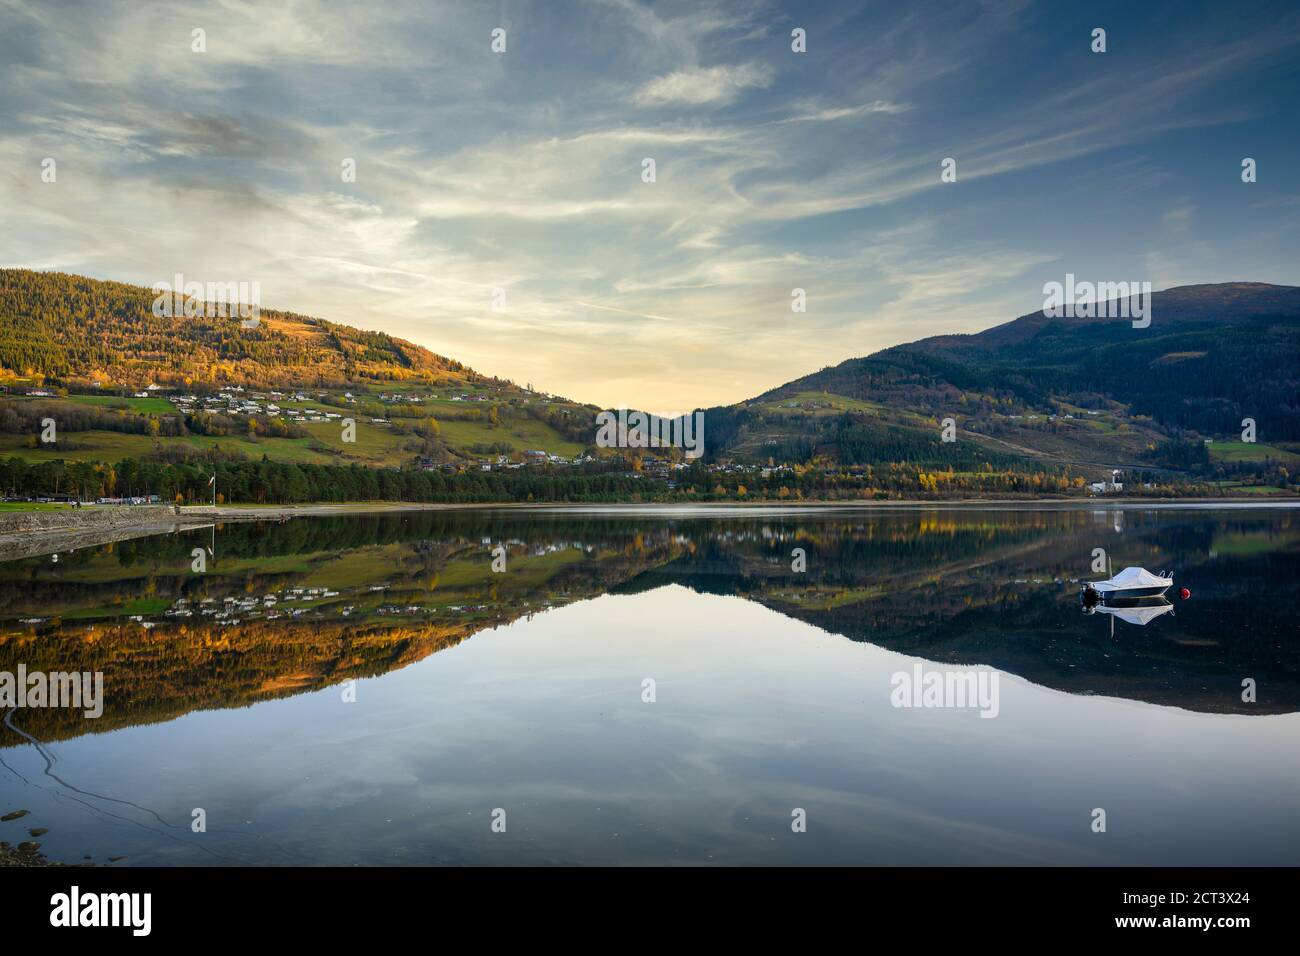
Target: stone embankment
[[26, 533]]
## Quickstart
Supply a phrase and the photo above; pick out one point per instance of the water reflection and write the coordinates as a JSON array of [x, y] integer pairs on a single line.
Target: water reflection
[[523, 689], [288, 608], [1140, 611]]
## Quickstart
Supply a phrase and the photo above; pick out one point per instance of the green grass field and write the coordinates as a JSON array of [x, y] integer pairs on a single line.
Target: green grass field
[[838, 404], [522, 433], [113, 446], [142, 406], [375, 445], [1261, 490], [1249, 451], [1097, 425]]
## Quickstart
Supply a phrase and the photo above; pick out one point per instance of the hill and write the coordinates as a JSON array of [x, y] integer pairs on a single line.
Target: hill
[[1090, 392], [121, 381], [75, 329], [1036, 404]]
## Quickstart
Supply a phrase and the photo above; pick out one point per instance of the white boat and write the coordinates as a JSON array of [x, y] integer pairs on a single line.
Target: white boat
[[1130, 583]]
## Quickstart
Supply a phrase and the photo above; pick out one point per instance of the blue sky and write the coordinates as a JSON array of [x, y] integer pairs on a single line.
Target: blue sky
[[775, 170]]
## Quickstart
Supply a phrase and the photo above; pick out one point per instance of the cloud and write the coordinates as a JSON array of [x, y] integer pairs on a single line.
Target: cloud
[[714, 85], [775, 170], [828, 115]]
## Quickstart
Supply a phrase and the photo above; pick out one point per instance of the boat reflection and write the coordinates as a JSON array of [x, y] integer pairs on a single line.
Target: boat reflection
[[1139, 610]]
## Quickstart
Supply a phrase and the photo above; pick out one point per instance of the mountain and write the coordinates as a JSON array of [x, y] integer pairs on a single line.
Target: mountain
[[73, 328], [1086, 391], [1067, 396], [122, 381]]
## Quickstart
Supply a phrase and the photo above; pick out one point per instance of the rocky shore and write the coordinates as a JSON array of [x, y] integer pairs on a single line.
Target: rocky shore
[[28, 852], [27, 533]]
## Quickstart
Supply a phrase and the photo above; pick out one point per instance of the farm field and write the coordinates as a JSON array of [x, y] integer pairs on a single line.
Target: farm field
[[1249, 451], [113, 446], [375, 445], [141, 406]]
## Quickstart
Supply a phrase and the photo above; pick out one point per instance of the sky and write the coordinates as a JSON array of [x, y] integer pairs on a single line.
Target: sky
[[523, 170]]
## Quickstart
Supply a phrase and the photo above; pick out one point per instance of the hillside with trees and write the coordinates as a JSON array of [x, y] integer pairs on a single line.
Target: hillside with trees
[[74, 329], [296, 409], [1090, 392]]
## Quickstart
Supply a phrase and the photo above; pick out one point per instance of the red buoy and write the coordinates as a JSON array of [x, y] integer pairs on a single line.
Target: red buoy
[[1184, 594]]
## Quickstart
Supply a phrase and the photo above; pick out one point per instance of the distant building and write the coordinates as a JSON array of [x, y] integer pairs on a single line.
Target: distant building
[[1102, 487]]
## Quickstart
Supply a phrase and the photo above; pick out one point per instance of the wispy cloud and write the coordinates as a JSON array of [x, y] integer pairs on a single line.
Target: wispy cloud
[[703, 85], [523, 170], [829, 114]]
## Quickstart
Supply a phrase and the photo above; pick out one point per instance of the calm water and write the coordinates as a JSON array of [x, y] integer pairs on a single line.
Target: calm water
[[523, 690]]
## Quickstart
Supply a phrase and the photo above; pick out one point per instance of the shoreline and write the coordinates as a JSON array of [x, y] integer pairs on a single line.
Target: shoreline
[[28, 533], [198, 514], [323, 509]]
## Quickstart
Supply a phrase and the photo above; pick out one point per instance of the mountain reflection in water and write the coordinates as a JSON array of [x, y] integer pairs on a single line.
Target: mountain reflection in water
[[285, 610]]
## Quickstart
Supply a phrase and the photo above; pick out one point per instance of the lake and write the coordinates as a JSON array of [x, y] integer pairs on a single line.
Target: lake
[[693, 686]]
